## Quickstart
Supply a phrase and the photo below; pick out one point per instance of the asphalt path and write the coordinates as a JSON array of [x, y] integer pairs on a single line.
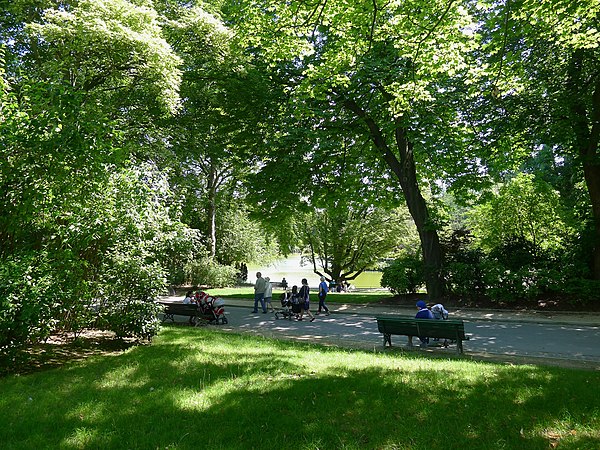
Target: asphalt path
[[571, 342]]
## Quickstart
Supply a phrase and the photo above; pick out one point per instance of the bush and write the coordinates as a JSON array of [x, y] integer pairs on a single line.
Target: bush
[[463, 271], [504, 285], [405, 275], [129, 291], [40, 294], [208, 272], [132, 318]]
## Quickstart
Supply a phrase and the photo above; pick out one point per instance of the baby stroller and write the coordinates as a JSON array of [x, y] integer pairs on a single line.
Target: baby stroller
[[211, 310], [290, 307]]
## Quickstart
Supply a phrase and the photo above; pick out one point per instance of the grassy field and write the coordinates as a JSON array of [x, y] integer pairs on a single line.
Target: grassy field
[[201, 388], [355, 297]]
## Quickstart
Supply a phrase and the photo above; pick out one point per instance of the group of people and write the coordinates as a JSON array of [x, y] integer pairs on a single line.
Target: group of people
[[263, 294]]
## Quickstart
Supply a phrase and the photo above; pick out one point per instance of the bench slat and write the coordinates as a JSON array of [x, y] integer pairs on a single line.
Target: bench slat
[[409, 326]]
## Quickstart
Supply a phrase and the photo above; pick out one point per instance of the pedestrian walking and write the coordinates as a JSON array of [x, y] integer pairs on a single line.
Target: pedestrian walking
[[259, 293], [323, 290], [304, 295], [268, 294]]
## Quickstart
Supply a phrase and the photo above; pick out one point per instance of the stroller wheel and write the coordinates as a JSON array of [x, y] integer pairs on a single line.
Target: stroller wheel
[[224, 320]]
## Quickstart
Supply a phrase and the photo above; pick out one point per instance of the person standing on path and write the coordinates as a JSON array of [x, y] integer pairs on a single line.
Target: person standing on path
[[323, 289], [259, 293], [269, 294], [304, 295]]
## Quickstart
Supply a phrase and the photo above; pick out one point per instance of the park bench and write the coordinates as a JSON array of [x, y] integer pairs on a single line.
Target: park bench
[[408, 326], [179, 309]]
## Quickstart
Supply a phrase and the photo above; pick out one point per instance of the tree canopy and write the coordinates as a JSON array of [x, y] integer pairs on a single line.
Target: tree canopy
[[146, 143]]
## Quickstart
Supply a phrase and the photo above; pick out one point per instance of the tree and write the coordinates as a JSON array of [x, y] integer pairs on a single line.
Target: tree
[[85, 219], [391, 70], [213, 132], [344, 240], [545, 79], [525, 209]]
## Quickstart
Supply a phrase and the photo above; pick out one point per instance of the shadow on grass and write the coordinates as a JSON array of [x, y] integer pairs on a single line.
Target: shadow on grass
[[206, 389]]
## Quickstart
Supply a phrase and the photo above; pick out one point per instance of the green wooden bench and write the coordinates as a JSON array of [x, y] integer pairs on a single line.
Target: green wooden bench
[[179, 309], [409, 326]]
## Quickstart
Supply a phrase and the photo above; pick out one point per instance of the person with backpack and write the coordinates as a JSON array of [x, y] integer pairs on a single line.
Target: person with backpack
[[323, 289], [304, 296]]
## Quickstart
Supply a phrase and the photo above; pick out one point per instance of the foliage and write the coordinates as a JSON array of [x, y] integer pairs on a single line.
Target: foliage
[[86, 220], [405, 275], [464, 265], [345, 239], [205, 271], [242, 239], [41, 293], [524, 208]]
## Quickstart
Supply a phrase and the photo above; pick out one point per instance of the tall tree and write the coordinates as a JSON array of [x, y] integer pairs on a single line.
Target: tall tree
[[391, 69], [544, 62], [219, 119]]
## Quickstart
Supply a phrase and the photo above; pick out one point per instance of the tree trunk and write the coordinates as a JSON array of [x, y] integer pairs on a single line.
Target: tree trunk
[[406, 172], [212, 211]]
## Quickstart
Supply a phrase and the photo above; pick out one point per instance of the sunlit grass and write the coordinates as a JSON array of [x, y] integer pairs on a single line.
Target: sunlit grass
[[332, 297], [201, 388]]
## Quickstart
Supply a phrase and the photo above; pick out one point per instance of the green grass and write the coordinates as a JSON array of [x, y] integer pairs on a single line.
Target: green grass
[[201, 388], [332, 297]]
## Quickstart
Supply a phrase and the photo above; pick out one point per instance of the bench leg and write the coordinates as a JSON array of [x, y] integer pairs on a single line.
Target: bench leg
[[459, 346], [167, 317], [410, 344], [387, 338]]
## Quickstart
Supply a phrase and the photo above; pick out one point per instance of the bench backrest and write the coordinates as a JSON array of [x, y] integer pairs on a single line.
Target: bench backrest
[[180, 308], [408, 326]]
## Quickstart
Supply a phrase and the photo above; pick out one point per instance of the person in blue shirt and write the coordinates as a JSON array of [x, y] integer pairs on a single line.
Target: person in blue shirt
[[423, 313], [323, 289]]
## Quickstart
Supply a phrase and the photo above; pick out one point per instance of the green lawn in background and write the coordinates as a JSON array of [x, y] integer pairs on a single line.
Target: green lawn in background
[[205, 388], [355, 297]]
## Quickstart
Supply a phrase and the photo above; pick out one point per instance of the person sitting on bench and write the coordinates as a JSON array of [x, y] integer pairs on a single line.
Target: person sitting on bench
[[423, 313]]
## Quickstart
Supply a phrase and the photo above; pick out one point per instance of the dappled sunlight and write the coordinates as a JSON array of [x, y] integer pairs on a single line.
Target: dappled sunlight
[[122, 377], [82, 437], [254, 389]]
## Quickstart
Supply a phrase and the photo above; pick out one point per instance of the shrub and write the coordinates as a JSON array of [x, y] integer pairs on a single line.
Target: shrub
[[128, 293], [40, 294], [509, 286], [208, 272], [463, 271], [404, 275]]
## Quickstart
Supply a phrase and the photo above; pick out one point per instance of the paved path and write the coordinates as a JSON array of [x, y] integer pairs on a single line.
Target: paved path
[[562, 338]]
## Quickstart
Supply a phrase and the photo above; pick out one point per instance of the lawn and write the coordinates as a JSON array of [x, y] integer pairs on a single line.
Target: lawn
[[204, 388], [355, 297]]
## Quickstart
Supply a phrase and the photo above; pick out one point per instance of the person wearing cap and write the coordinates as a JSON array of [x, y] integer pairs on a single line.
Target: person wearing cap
[[423, 313]]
